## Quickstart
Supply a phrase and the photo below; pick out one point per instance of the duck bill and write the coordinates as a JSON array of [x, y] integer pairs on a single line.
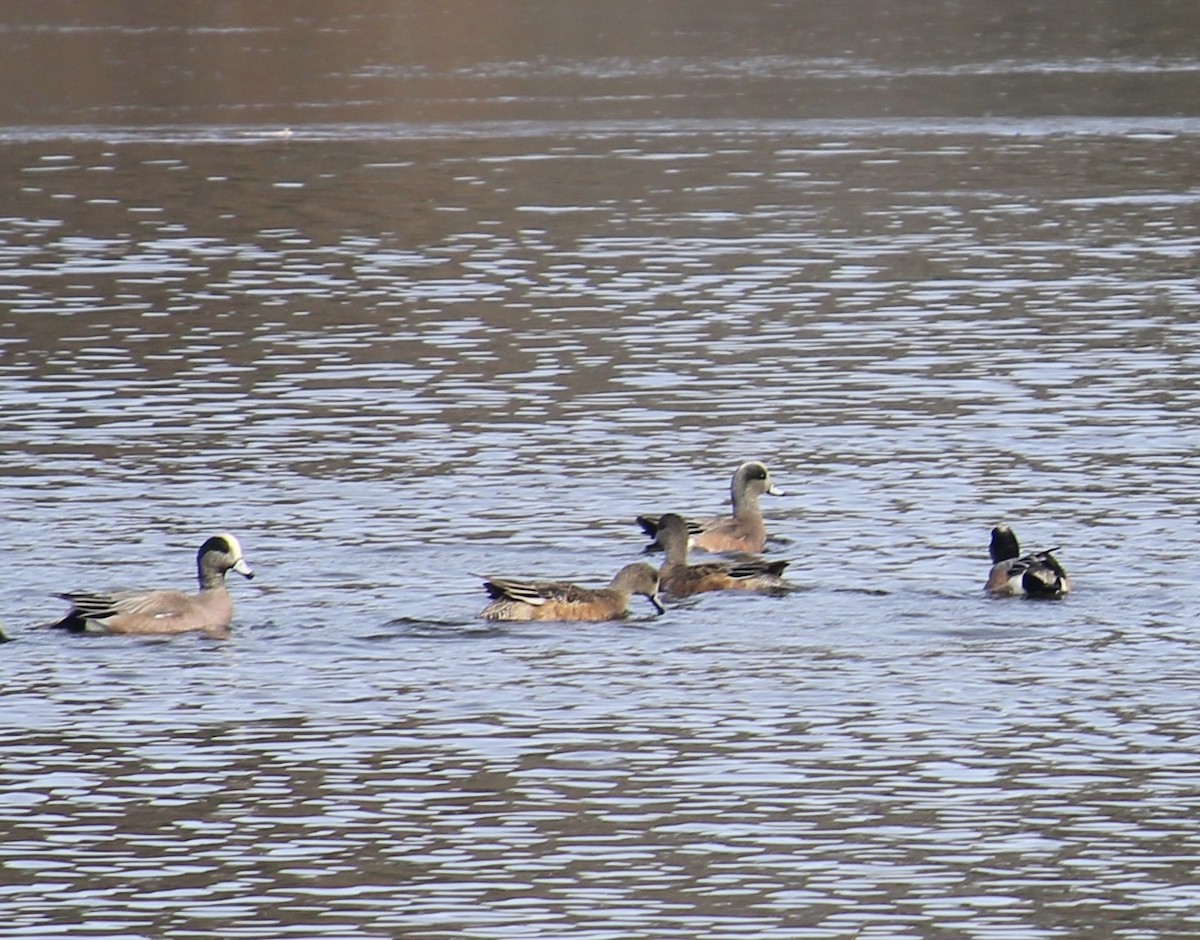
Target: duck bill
[[773, 490], [243, 569], [658, 605]]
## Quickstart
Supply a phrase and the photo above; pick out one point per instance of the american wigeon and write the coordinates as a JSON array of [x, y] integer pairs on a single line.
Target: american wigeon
[[166, 611], [560, 600], [1036, 574], [744, 530], [679, 578]]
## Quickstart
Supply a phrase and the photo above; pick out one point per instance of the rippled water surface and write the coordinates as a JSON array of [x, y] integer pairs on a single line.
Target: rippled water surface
[[399, 295]]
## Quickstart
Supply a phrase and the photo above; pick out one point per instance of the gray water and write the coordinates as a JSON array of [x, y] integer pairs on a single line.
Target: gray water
[[410, 291]]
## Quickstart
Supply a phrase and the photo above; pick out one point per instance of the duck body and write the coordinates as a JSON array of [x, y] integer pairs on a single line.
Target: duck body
[[513, 599], [1035, 574]]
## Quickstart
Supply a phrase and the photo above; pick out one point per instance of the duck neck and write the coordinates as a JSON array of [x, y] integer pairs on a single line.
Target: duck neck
[[211, 577], [745, 504], [675, 546]]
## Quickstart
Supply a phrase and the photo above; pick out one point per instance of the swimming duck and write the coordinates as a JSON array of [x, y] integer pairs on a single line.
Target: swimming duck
[[560, 600], [744, 530], [1036, 574], [157, 612], [679, 578]]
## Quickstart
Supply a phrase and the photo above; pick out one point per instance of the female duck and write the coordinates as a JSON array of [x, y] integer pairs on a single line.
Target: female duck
[[744, 530], [560, 600], [680, 578]]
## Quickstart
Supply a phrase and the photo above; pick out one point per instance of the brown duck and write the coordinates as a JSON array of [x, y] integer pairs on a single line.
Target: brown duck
[[679, 578], [744, 530], [560, 600]]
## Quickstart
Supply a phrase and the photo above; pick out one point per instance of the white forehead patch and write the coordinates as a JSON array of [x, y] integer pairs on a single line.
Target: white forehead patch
[[235, 547]]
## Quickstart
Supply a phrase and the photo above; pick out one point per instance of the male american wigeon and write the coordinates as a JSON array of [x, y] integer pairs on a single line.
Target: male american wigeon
[[679, 578], [158, 612], [1036, 574], [744, 530], [560, 600]]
